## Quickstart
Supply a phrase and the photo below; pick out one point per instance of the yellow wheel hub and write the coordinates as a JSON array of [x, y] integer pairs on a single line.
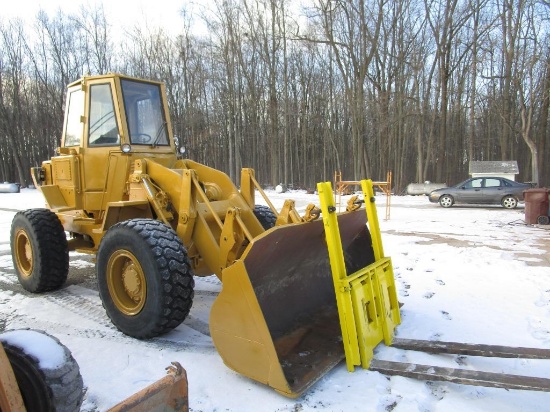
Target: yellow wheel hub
[[126, 282], [23, 253]]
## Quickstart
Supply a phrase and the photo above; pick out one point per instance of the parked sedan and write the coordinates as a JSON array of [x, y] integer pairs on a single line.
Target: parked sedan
[[481, 190]]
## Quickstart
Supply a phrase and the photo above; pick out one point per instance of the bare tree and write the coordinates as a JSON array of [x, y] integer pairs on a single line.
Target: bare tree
[[94, 38], [529, 81], [12, 99]]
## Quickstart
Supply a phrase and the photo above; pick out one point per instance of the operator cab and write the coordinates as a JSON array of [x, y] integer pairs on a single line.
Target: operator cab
[[142, 118], [111, 121]]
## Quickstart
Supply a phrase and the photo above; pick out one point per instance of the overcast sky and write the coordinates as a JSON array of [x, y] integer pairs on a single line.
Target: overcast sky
[[126, 12]]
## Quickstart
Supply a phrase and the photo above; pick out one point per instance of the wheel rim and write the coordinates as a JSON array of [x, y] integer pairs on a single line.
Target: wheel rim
[[509, 202], [126, 282], [446, 201], [23, 253]]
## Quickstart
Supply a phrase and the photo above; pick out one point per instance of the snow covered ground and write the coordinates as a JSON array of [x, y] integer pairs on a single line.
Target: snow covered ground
[[464, 274]]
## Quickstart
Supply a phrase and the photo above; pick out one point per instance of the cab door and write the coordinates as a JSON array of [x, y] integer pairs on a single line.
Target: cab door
[[65, 191], [102, 144]]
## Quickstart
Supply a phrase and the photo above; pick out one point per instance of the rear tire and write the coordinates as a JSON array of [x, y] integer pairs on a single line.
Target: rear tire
[[144, 278], [39, 250], [265, 216], [44, 388], [509, 202], [446, 201]]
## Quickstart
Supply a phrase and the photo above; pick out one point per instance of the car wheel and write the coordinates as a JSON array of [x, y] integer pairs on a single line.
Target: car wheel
[[446, 201], [509, 202]]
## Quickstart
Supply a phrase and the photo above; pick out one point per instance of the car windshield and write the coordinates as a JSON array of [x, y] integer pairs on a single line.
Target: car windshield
[[144, 113]]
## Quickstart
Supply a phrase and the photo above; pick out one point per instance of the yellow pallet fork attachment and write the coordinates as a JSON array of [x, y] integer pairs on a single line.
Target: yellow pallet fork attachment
[[277, 320], [367, 300]]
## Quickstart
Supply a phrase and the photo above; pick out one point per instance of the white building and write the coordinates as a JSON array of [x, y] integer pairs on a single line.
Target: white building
[[505, 168]]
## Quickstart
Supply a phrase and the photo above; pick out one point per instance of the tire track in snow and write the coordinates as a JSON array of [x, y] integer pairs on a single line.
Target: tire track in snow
[[81, 305], [91, 308]]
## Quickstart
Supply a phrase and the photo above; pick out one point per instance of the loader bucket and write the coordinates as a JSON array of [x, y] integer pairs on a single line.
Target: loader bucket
[[276, 319]]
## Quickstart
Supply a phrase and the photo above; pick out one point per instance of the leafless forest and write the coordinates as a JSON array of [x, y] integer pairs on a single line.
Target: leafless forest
[[418, 87]]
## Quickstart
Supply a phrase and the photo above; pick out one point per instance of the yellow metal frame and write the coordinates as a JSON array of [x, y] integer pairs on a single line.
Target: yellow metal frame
[[367, 300], [341, 187]]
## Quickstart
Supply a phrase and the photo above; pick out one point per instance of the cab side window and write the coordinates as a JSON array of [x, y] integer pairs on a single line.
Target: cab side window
[[74, 130], [103, 128]]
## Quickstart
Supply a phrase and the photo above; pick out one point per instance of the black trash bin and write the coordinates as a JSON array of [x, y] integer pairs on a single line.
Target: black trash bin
[[536, 205]]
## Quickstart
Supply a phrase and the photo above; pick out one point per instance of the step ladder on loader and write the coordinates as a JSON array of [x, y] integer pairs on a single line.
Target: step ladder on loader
[[368, 310]]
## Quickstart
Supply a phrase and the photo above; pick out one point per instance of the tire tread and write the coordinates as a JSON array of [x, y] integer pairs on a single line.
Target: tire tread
[[265, 216], [52, 248], [64, 383], [175, 273]]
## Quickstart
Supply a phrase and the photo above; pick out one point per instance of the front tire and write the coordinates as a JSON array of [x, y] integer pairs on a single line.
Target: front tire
[[144, 278], [509, 202], [446, 201], [47, 374], [39, 250], [265, 216]]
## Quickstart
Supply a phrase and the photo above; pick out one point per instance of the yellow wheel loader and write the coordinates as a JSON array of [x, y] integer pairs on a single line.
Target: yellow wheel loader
[[299, 293], [119, 188]]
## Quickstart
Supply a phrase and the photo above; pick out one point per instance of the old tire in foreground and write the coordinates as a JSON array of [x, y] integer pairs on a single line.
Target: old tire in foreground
[[39, 250], [47, 374], [144, 278]]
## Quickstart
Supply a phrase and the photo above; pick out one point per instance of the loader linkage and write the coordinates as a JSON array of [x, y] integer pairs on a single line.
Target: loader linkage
[[369, 312]]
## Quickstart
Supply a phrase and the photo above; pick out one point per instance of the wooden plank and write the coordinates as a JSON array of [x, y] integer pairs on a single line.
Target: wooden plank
[[471, 349], [10, 396], [461, 376]]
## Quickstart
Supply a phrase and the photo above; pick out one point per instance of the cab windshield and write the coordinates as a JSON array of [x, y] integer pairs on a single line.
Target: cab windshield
[[144, 113]]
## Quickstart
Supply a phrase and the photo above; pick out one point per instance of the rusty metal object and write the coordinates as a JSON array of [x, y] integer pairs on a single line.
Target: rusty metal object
[[167, 394]]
